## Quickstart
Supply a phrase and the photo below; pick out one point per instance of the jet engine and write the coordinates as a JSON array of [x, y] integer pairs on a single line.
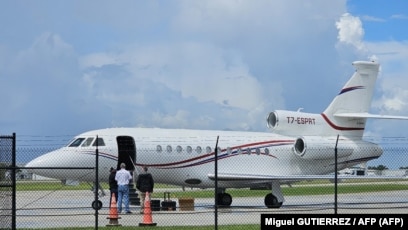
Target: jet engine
[[289, 122], [319, 148]]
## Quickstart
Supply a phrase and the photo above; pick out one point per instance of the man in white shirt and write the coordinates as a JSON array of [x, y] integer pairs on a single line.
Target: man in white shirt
[[123, 177]]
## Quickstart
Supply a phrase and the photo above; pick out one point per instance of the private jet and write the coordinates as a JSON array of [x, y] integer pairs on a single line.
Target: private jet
[[299, 146]]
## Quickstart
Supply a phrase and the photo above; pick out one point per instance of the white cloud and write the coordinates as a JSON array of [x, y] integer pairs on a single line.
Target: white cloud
[[399, 16], [395, 103], [372, 19], [392, 79], [96, 60], [179, 119], [202, 71], [193, 64], [350, 31], [390, 52]]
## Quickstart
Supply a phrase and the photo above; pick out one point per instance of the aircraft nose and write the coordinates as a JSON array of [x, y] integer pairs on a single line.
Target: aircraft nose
[[63, 164], [33, 163], [41, 161], [40, 164]]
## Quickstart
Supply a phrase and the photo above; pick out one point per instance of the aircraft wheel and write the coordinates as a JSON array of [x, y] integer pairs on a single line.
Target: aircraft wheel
[[224, 199], [271, 201]]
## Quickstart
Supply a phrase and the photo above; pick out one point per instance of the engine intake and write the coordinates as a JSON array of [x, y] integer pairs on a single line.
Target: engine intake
[[319, 148], [272, 120], [300, 147]]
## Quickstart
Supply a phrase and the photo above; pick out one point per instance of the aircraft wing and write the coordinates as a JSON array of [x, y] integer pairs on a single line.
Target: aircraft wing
[[257, 177]]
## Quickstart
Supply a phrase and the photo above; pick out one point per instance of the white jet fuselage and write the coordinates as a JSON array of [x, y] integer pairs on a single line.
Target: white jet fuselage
[[187, 157]]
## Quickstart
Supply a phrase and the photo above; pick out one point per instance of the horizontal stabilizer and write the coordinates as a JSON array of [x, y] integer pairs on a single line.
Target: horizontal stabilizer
[[253, 177], [368, 115]]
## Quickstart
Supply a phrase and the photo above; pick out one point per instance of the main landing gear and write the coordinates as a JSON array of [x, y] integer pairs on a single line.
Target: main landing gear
[[275, 198], [224, 199], [272, 200]]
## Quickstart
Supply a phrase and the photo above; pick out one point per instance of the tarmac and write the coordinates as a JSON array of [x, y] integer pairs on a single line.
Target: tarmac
[[53, 209]]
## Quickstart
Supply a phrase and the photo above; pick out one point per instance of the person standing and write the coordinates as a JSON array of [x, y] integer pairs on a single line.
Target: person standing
[[122, 178], [113, 186], [144, 183]]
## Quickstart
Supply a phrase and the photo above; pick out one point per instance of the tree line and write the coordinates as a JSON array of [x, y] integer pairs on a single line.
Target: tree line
[[383, 167]]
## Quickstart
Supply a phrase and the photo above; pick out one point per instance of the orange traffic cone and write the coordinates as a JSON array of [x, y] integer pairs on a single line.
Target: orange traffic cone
[[113, 214], [147, 213]]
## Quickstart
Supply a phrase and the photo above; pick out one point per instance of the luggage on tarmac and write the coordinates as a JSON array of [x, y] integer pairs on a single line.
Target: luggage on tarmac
[[155, 205], [167, 204]]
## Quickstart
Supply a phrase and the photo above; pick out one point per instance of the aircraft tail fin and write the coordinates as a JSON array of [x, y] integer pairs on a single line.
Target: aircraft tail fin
[[356, 95], [349, 110], [346, 115]]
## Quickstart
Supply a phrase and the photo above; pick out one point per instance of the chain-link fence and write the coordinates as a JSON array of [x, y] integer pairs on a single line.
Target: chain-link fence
[[44, 202], [7, 182]]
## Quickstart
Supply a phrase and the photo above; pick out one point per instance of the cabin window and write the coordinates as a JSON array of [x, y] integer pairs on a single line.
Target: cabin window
[[266, 151], [258, 151], [179, 149], [229, 151], [100, 142], [248, 151], [88, 142], [198, 149], [169, 149], [77, 142], [219, 150], [159, 148], [189, 149], [208, 149]]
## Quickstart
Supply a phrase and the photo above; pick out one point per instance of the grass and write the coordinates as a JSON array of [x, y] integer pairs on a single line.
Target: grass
[[221, 227], [303, 188], [361, 188]]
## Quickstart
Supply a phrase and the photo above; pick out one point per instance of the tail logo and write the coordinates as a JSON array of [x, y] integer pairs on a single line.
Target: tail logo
[[348, 89]]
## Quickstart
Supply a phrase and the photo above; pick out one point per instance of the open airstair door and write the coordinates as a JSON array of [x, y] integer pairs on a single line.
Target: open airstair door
[[126, 152]]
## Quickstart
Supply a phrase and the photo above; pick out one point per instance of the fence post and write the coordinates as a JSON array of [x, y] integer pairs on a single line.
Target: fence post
[[335, 175], [216, 185], [96, 183]]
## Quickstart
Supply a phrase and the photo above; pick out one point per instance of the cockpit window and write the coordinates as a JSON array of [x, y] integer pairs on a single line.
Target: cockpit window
[[77, 142], [101, 142], [88, 142]]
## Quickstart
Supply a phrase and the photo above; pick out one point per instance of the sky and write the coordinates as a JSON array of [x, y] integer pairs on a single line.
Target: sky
[[71, 66]]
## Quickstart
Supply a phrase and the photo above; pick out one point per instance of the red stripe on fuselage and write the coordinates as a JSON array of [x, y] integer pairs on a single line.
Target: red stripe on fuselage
[[339, 127]]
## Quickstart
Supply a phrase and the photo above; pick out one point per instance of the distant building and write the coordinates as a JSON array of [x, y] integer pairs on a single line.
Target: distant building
[[356, 171], [359, 171]]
